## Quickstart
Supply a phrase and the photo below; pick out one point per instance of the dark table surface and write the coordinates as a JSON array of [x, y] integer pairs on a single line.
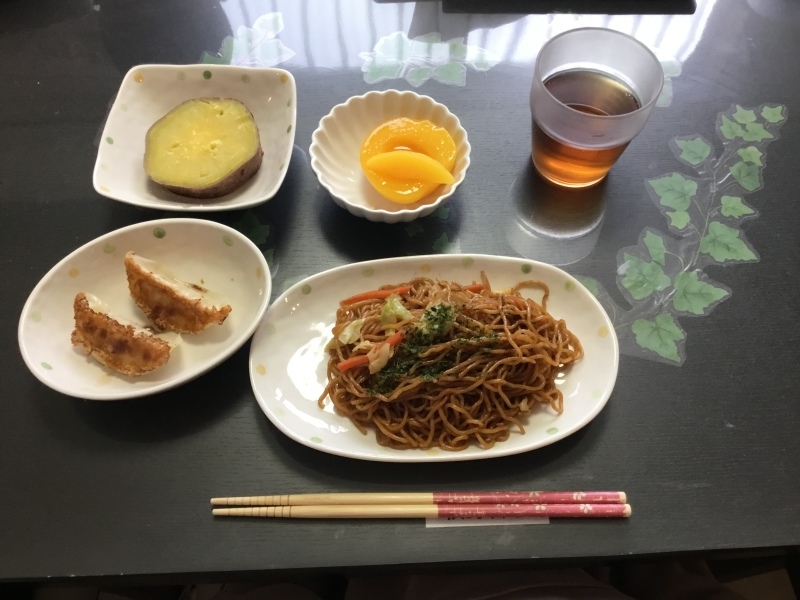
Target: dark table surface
[[703, 428]]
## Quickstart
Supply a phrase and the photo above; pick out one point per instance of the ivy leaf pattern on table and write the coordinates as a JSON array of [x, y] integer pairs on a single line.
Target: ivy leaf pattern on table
[[433, 234], [414, 228], [735, 207], [673, 195], [724, 243], [641, 278], [663, 276], [444, 245], [751, 155], [255, 46], [655, 246], [660, 335], [694, 295], [693, 150], [672, 68], [743, 116], [423, 58], [748, 175], [257, 232], [590, 284], [773, 114], [251, 226]]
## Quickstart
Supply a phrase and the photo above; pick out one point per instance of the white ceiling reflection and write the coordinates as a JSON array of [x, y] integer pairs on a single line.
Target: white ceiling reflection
[[331, 34]]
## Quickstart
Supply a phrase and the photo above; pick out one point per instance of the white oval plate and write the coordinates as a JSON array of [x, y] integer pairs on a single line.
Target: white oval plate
[[288, 360], [148, 92], [196, 251]]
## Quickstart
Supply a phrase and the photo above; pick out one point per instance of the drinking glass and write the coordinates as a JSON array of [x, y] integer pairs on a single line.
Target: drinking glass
[[592, 92]]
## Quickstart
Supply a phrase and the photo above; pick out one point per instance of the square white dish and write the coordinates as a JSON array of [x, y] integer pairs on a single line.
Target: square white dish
[[148, 92]]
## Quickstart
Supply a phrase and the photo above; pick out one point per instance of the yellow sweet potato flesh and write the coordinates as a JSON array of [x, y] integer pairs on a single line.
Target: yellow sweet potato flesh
[[203, 148]]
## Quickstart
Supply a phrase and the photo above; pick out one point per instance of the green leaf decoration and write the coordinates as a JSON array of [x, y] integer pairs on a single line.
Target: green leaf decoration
[[773, 114], [270, 24], [434, 37], [755, 132], [659, 335], [395, 45], [665, 97], [748, 176], [422, 58], [734, 206], [674, 191], [751, 154], [414, 228], [744, 116], [730, 129], [252, 227], [212, 59], [642, 278], [695, 296], [590, 284], [225, 55], [442, 243], [267, 53], [382, 67], [723, 244], [481, 59], [671, 67], [679, 219], [457, 49], [453, 73], [655, 246], [416, 76], [693, 151], [663, 277], [429, 50], [269, 255], [442, 212]]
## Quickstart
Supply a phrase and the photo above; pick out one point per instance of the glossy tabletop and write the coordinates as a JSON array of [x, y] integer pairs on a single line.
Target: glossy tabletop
[[691, 245]]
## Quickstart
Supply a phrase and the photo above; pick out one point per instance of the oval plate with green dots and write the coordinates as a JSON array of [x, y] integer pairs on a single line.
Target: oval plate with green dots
[[288, 359], [148, 92], [228, 267]]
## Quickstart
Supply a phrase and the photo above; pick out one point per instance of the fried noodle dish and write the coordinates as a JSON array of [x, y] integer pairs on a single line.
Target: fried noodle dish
[[437, 364]]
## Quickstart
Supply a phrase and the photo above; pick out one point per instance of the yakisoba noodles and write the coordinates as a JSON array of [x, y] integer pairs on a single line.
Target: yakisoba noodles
[[438, 364]]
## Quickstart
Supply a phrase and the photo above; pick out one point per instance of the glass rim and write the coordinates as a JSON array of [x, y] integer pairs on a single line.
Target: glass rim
[[605, 30]]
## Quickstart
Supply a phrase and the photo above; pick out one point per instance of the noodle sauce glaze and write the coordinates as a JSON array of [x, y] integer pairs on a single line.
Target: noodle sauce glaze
[[437, 364]]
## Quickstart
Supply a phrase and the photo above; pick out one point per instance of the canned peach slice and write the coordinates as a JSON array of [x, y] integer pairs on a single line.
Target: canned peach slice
[[402, 133], [407, 164]]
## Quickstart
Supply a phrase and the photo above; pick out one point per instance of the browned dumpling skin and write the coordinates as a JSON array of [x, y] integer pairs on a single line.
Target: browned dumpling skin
[[168, 306], [120, 347]]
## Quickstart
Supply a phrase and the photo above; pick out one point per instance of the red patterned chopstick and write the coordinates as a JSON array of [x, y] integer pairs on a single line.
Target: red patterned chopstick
[[422, 498], [433, 498], [423, 511]]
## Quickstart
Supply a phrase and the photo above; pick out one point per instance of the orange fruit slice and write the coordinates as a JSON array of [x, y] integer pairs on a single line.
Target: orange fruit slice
[[407, 164], [403, 133]]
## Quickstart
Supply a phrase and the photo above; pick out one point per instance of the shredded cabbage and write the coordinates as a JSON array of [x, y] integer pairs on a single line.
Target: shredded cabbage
[[393, 310], [352, 332], [378, 357], [349, 335]]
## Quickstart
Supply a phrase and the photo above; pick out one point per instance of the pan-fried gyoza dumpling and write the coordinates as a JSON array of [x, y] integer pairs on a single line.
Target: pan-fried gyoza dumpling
[[169, 302], [125, 347]]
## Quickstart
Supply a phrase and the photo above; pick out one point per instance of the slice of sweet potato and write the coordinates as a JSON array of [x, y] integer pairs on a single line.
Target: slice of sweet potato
[[203, 148]]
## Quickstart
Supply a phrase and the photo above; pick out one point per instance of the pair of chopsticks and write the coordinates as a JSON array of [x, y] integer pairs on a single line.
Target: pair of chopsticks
[[431, 505]]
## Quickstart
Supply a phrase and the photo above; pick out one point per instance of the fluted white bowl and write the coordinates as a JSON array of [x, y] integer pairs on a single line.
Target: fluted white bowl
[[336, 145]]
